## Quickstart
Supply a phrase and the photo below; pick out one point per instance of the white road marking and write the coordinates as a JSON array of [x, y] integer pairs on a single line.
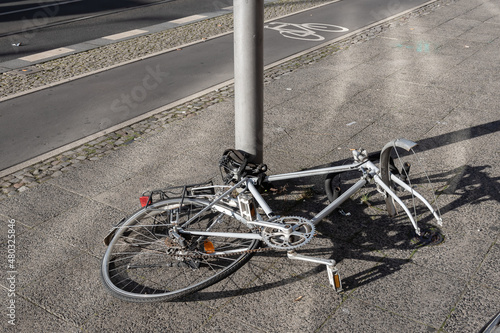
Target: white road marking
[[188, 19], [47, 54], [125, 34]]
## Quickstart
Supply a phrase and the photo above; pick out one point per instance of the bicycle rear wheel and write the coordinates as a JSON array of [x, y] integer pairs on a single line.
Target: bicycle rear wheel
[[144, 263]]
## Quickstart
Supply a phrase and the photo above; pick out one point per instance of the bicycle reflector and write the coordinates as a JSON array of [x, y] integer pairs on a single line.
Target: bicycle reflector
[[247, 207], [145, 200], [208, 246]]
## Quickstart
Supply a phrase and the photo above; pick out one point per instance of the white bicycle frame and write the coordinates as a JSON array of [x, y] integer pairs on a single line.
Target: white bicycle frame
[[369, 172]]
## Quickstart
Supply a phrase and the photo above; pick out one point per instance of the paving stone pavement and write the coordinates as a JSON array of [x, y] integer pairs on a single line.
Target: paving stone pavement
[[431, 77]]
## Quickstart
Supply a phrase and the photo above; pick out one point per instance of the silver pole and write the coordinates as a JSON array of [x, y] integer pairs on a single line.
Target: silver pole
[[249, 76]]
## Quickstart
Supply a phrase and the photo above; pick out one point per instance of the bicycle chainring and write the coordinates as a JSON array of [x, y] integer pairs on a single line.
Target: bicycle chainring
[[299, 233]]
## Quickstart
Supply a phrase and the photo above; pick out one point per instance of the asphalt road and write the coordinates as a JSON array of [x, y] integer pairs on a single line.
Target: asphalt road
[[36, 123], [41, 25]]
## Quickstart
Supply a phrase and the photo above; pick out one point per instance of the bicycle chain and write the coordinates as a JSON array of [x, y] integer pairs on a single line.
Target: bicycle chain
[[207, 256], [290, 220]]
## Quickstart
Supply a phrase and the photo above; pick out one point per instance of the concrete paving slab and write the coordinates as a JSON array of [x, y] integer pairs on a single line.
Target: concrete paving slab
[[37, 254], [38, 205], [83, 227], [41, 320], [459, 50], [358, 316], [335, 93], [494, 20], [483, 12], [406, 98], [227, 293], [486, 33], [292, 312], [460, 254], [421, 295], [309, 78], [92, 178], [121, 316], [474, 310], [52, 292], [125, 196], [455, 27], [222, 322], [427, 21], [349, 56], [488, 274]]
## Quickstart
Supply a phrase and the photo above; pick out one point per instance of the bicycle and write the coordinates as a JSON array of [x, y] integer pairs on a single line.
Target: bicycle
[[175, 246]]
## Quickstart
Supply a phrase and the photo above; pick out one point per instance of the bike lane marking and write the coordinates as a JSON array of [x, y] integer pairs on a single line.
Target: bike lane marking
[[188, 19], [47, 54], [305, 31], [126, 34]]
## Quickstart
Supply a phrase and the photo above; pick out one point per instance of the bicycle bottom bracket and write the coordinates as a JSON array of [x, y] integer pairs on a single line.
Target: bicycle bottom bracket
[[298, 232]]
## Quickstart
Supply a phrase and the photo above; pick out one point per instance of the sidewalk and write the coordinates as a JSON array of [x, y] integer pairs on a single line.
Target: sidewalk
[[434, 80]]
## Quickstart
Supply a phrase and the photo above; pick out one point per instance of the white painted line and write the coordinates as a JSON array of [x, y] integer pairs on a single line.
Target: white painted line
[[47, 54], [188, 19], [125, 34], [228, 8]]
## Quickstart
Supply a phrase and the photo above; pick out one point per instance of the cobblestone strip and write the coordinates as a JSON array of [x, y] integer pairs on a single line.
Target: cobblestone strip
[[22, 180]]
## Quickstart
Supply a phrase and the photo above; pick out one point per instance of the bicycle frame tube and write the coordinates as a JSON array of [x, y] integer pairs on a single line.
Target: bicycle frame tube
[[222, 234], [331, 207], [419, 196], [308, 173], [314, 172], [260, 200], [213, 203]]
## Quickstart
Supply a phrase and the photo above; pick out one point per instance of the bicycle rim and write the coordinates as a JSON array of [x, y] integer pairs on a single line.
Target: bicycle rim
[[142, 263]]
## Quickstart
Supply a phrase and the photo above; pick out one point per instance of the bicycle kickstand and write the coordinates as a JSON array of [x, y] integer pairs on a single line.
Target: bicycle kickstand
[[333, 272]]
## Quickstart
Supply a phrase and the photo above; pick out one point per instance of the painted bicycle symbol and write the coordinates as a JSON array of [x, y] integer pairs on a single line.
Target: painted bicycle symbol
[[304, 31]]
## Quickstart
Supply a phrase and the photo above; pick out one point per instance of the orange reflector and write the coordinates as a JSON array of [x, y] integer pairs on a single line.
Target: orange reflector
[[145, 201], [336, 279], [209, 246]]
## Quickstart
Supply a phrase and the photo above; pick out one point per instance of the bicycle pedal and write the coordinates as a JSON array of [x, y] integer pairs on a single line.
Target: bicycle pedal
[[334, 278]]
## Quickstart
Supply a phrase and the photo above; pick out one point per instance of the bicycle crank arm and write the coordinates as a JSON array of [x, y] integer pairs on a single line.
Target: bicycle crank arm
[[401, 183], [387, 189], [333, 272]]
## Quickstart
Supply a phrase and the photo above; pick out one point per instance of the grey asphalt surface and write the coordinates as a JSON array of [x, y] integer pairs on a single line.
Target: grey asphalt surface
[[433, 79]]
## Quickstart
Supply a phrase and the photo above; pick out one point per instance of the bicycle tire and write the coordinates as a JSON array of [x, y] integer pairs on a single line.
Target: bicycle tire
[[336, 184], [332, 186], [137, 266]]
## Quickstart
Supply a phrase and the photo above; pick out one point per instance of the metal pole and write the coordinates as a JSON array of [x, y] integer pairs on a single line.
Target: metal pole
[[249, 76]]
